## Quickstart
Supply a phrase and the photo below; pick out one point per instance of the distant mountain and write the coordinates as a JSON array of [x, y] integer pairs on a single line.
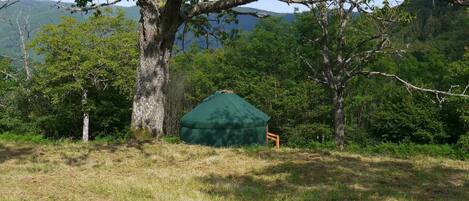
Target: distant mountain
[[42, 12]]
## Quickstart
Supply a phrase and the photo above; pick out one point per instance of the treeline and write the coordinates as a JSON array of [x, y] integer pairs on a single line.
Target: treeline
[[88, 68], [264, 67]]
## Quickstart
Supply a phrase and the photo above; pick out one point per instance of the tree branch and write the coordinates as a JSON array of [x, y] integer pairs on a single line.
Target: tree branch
[[411, 86], [8, 3], [460, 2], [214, 6], [8, 75], [307, 3], [254, 14], [314, 78], [92, 6]]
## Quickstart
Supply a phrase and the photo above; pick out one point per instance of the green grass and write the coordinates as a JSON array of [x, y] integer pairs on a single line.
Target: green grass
[[32, 138], [400, 150], [160, 170]]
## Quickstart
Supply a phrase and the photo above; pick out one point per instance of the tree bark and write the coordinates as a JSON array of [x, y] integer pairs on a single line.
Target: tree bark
[[157, 31], [86, 116], [339, 120]]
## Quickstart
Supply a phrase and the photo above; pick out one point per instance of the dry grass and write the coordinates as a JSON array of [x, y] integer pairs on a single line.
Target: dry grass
[[161, 171]]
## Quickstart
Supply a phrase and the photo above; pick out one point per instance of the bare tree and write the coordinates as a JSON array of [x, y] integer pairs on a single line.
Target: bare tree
[[344, 59], [24, 30]]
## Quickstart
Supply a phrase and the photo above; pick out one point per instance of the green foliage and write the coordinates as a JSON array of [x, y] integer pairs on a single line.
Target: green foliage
[[403, 150], [275, 84], [141, 135], [97, 57], [304, 134], [13, 137], [172, 139], [440, 27], [14, 100], [411, 150], [117, 137], [263, 66], [382, 117], [463, 142]]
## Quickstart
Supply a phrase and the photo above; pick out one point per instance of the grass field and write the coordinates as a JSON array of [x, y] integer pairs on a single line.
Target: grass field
[[162, 171]]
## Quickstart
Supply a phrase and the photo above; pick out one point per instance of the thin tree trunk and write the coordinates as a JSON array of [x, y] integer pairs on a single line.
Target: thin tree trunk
[[148, 112], [22, 28], [339, 120], [86, 116]]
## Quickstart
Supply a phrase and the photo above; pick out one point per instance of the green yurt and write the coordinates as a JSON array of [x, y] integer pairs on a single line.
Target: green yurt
[[224, 119]]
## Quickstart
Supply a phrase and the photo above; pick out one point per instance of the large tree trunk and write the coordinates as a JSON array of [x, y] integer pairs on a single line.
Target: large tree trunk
[[86, 116], [339, 120], [156, 38]]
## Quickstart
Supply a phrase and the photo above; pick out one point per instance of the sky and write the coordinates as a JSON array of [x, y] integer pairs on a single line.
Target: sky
[[280, 7], [269, 5]]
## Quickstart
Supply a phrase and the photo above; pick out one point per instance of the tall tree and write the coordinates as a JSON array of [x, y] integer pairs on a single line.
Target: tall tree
[[83, 60], [352, 34], [159, 22]]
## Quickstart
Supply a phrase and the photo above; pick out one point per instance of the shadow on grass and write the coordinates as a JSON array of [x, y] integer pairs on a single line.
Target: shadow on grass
[[324, 176], [72, 156], [8, 153], [81, 159]]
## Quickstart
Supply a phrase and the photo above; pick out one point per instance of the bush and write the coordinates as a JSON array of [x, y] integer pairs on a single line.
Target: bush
[[314, 145], [304, 134], [358, 136], [463, 142]]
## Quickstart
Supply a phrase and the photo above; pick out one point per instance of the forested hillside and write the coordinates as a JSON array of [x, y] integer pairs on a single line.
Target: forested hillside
[[41, 12], [88, 65], [264, 66]]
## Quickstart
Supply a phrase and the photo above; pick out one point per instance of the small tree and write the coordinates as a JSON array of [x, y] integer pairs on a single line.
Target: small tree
[[82, 59]]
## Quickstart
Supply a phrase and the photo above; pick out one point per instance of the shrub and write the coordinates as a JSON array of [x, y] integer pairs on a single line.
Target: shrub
[[463, 142], [358, 136], [304, 134]]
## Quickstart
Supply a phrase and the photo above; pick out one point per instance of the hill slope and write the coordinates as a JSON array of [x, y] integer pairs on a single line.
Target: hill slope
[[44, 12]]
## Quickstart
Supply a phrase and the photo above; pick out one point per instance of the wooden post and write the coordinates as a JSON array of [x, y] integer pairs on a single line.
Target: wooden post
[[277, 142], [272, 136]]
